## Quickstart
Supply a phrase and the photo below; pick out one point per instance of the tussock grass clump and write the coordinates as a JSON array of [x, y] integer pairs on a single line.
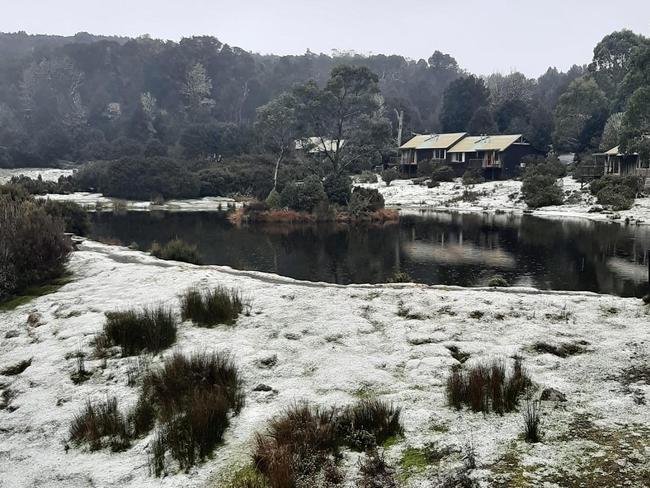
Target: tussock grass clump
[[370, 423], [486, 387], [212, 307], [176, 250], [150, 329], [532, 430], [374, 472], [101, 425], [193, 398], [17, 368], [299, 444], [302, 444]]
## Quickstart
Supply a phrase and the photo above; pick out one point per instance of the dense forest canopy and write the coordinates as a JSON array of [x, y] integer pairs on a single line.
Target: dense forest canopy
[[89, 97]]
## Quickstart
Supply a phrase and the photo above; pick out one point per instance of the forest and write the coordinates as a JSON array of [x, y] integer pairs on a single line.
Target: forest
[[87, 98]]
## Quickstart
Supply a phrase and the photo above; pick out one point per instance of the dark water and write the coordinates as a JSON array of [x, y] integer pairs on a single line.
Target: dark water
[[433, 248]]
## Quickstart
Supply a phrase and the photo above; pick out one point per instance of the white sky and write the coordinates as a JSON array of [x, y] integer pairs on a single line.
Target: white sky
[[484, 36]]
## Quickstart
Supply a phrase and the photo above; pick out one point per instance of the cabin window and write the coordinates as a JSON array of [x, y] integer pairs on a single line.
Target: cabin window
[[458, 157]]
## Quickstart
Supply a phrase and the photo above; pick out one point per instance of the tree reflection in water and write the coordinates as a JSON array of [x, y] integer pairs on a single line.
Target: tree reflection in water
[[432, 247]]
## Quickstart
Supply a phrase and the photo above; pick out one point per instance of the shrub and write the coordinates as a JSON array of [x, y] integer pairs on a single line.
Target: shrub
[[553, 167], [211, 307], [365, 200], [150, 329], [399, 277], [498, 281], [424, 168], [193, 398], [303, 197], [176, 250], [487, 387], [616, 197], [273, 200], [370, 423], [532, 430], [33, 248], [374, 472], [140, 179], [100, 425], [38, 186], [367, 177], [442, 173], [389, 175], [247, 477], [73, 215], [629, 185], [298, 444], [473, 176], [541, 190], [338, 189]]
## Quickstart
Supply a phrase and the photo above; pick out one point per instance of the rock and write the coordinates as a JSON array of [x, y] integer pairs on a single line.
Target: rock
[[595, 209], [262, 387], [291, 336], [34, 319], [11, 334], [553, 395], [268, 361]]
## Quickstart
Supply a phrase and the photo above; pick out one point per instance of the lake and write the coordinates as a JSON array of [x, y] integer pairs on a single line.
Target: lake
[[432, 247]]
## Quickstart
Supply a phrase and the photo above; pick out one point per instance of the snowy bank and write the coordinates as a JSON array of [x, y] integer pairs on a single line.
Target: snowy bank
[[47, 174], [334, 344], [504, 196]]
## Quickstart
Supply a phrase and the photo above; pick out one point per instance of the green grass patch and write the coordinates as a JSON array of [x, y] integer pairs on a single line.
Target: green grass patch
[[34, 292]]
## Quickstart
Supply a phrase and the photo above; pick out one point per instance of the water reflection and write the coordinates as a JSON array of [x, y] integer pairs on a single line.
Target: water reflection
[[432, 247]]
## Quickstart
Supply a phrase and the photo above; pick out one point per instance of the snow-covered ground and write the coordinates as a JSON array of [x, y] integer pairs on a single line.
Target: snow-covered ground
[[98, 202], [335, 344], [504, 196], [47, 174]]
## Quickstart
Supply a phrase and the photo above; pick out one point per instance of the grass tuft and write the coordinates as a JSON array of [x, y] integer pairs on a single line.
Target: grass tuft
[[100, 425], [176, 250], [212, 307], [532, 430], [150, 329], [486, 387]]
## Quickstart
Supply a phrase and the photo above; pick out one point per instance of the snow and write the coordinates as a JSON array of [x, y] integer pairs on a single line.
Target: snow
[[47, 174], [100, 203], [503, 196], [333, 343]]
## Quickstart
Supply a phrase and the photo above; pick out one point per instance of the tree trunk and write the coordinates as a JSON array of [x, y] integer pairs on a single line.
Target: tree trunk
[[277, 167]]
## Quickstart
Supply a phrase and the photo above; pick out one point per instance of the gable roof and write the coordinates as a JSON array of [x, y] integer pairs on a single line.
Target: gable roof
[[615, 151], [485, 143], [433, 141], [314, 145]]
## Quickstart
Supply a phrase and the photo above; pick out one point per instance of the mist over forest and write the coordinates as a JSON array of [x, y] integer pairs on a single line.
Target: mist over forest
[[89, 97]]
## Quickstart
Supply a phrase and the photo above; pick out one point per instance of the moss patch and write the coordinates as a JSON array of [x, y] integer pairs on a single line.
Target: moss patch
[[34, 292], [585, 456]]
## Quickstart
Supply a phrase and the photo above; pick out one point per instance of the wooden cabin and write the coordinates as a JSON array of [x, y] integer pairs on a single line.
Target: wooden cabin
[[500, 157], [426, 148], [615, 162]]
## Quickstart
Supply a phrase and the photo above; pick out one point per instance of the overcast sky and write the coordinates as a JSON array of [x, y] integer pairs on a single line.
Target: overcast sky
[[484, 36]]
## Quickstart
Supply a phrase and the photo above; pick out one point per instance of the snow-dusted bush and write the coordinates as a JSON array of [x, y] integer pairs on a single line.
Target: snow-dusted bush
[[485, 387], [33, 247], [176, 250], [193, 398], [374, 472], [150, 329], [100, 425], [211, 307], [389, 175], [379, 419], [299, 444]]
